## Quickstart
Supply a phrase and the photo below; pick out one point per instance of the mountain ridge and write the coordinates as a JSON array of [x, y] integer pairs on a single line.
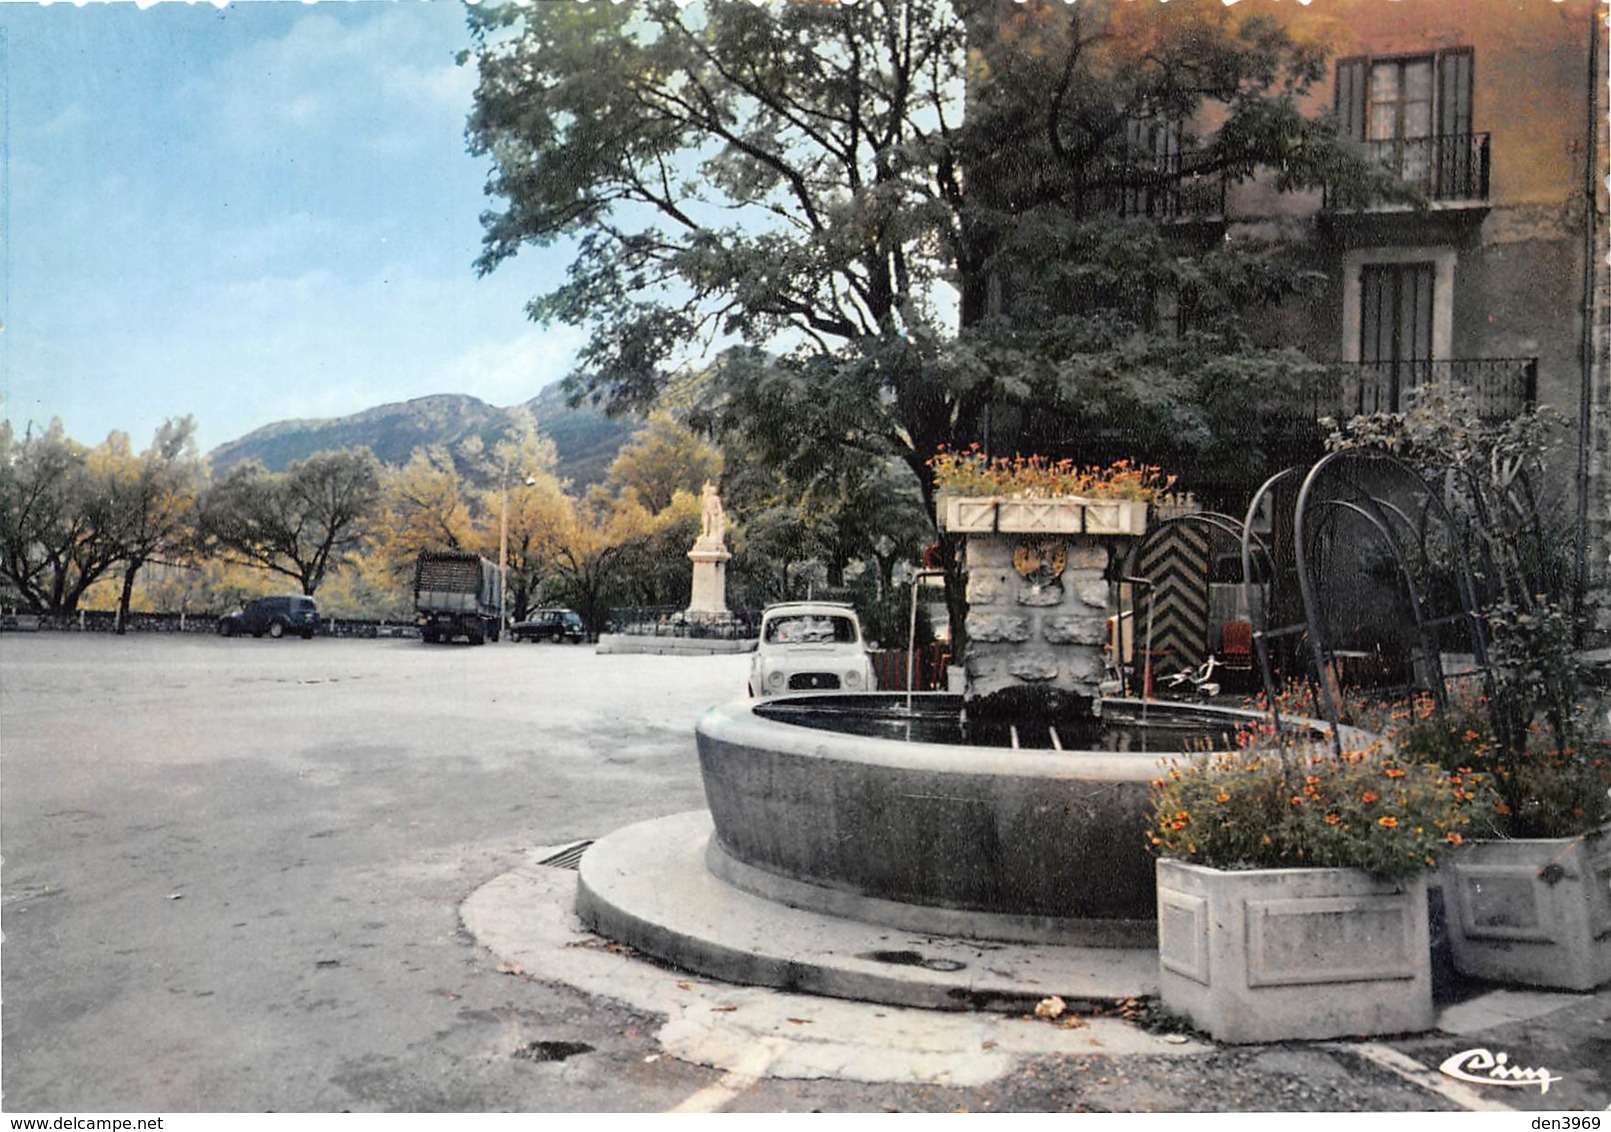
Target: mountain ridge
[[585, 439]]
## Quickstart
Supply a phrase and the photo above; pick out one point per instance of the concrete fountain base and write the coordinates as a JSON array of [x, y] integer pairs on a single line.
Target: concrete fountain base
[[648, 886]]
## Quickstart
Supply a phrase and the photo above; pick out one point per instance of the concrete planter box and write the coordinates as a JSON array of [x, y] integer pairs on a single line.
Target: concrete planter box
[[977, 514], [1532, 912], [1267, 955]]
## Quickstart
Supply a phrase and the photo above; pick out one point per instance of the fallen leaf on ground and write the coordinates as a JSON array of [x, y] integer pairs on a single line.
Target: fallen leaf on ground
[[1050, 1007]]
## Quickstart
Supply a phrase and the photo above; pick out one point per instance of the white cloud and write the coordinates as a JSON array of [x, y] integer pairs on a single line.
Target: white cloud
[[381, 82], [512, 370]]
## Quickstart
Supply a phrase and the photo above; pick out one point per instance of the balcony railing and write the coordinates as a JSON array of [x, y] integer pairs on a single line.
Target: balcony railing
[[1447, 167], [1134, 192], [1498, 387]]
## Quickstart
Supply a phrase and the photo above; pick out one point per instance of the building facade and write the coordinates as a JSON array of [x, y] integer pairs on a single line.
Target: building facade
[[1496, 114]]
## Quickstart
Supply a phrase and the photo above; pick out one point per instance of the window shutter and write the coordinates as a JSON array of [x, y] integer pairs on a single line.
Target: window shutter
[[1454, 92], [1350, 95]]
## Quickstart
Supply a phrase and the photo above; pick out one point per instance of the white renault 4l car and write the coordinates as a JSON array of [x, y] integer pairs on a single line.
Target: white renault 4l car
[[807, 645]]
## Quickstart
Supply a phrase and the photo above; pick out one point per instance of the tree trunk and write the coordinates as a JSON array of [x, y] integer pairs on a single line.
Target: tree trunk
[[127, 594]]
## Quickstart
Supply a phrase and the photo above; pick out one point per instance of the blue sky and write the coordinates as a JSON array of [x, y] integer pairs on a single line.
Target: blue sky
[[250, 214]]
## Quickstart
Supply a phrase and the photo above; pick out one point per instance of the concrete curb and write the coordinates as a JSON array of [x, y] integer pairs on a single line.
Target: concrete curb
[[647, 886]]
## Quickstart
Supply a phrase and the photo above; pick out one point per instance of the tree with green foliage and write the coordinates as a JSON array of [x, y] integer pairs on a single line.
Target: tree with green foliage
[[522, 488], [153, 497], [806, 176], [59, 530], [300, 523]]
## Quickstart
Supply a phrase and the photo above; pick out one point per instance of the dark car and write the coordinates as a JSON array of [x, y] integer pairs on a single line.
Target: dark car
[[275, 616], [550, 625]]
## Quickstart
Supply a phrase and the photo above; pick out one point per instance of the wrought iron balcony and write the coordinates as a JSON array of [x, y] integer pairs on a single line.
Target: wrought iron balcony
[[1498, 387], [1141, 192], [1444, 168]]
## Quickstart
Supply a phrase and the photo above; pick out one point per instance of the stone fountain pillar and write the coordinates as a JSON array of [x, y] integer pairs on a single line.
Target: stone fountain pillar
[[710, 556], [1038, 592]]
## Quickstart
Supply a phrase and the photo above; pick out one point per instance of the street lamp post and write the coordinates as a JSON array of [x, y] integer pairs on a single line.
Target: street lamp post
[[503, 554]]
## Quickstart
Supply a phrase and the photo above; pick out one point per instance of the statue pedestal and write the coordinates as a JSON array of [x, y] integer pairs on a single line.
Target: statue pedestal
[[710, 578]]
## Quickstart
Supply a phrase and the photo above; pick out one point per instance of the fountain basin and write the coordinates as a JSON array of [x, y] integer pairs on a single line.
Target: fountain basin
[[1025, 845]]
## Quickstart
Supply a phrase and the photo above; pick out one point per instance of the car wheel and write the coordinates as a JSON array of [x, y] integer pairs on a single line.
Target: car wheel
[[276, 629]]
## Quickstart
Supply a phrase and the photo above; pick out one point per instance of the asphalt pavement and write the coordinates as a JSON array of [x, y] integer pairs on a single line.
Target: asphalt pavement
[[244, 875]]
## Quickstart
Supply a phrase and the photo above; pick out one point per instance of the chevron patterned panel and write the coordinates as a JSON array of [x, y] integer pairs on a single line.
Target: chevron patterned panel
[[1176, 561]]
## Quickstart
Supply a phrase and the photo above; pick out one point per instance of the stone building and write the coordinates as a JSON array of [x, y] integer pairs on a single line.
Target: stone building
[[1497, 113]]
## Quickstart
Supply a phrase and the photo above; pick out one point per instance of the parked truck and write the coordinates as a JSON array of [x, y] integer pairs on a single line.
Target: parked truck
[[456, 594]]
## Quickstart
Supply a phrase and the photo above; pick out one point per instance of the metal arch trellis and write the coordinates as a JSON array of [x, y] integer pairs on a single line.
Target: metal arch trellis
[[1340, 485], [1258, 610]]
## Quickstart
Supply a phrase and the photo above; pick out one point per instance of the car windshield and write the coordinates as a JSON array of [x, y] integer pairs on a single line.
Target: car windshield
[[810, 628]]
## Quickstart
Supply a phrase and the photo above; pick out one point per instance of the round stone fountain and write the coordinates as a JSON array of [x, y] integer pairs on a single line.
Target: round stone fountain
[[896, 813], [813, 807]]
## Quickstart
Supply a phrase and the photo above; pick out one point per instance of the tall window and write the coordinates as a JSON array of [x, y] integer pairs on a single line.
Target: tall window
[[1414, 114], [1395, 325]]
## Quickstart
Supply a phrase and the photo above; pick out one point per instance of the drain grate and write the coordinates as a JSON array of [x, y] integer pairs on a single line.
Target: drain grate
[[566, 858]]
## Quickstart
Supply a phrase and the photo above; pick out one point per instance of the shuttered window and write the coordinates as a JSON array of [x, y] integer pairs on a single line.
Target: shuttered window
[[1414, 113], [1395, 324]]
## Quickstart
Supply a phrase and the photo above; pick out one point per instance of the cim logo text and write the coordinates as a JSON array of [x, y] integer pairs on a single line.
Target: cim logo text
[[1480, 1067]]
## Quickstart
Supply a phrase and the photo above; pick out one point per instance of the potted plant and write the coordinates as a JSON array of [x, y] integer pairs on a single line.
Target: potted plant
[[1292, 885], [1030, 494], [1528, 902]]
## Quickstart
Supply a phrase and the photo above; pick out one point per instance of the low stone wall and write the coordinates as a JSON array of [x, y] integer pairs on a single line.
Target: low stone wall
[[105, 621], [671, 646]]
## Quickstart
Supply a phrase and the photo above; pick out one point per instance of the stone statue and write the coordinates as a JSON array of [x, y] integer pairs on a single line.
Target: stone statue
[[713, 528], [710, 557]]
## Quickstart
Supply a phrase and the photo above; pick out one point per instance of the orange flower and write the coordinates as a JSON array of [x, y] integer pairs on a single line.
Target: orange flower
[[1222, 798], [1394, 772], [1389, 821], [1455, 838], [1332, 819], [1370, 796]]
